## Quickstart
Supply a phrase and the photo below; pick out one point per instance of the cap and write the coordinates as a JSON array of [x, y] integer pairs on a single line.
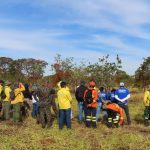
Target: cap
[[92, 83], [121, 84]]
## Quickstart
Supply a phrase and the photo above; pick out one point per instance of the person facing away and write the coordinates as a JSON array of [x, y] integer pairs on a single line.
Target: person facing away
[[122, 95], [17, 102], [52, 96], [79, 94], [147, 106], [44, 107], [112, 96], [102, 97], [35, 104], [6, 101], [90, 98], [64, 103]]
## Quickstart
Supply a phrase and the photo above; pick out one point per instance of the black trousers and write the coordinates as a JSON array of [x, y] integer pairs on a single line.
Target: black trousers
[[126, 109], [112, 120], [91, 117]]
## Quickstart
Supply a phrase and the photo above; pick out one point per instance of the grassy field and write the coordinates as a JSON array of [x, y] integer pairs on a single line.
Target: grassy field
[[31, 136]]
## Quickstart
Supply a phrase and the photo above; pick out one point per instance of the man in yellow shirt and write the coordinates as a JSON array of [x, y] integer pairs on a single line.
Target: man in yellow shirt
[[147, 106], [64, 102], [6, 101], [17, 102]]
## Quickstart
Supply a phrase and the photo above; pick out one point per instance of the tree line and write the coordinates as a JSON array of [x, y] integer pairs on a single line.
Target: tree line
[[103, 72]]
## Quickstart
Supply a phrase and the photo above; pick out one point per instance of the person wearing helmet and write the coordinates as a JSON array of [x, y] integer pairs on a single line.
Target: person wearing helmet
[[122, 95], [90, 98]]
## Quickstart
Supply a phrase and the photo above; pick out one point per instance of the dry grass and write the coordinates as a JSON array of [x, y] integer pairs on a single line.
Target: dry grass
[[31, 136]]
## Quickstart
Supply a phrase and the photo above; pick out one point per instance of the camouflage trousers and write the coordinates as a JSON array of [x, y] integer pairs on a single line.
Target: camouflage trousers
[[54, 107], [45, 117], [6, 110], [17, 114]]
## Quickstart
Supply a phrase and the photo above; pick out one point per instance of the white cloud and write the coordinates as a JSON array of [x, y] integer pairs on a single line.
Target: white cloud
[[124, 18]]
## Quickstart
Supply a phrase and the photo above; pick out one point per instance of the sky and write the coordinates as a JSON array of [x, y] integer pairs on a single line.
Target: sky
[[83, 29]]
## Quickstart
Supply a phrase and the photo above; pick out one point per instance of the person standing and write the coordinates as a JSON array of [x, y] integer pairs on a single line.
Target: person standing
[[122, 95], [35, 104], [91, 97], [64, 103], [1, 88], [112, 96], [102, 97], [17, 102], [147, 106], [6, 101], [79, 94], [45, 107]]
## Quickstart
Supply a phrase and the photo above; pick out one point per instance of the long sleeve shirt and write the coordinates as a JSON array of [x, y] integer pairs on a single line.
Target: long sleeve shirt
[[122, 95], [64, 98], [147, 98]]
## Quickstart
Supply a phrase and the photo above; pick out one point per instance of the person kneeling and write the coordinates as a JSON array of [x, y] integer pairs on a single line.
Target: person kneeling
[[115, 115]]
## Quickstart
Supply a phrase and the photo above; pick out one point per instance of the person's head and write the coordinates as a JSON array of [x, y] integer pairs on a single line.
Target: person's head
[[121, 84], [7, 83], [82, 82], [63, 84], [1, 82], [113, 90], [92, 84], [101, 89]]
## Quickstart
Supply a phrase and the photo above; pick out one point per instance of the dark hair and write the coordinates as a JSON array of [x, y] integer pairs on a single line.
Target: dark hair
[[113, 90], [101, 88], [1, 82], [63, 84]]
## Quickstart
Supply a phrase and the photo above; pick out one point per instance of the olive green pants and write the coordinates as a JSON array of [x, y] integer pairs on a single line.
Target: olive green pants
[[6, 110], [17, 115]]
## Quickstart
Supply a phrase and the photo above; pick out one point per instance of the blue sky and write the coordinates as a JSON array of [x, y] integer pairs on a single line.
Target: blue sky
[[83, 29]]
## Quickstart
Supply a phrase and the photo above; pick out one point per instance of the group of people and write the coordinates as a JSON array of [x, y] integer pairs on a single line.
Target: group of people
[[11, 100], [91, 102]]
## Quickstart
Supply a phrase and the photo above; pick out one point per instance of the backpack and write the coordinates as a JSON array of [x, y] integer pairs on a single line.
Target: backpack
[[12, 95], [3, 95], [88, 96], [80, 93]]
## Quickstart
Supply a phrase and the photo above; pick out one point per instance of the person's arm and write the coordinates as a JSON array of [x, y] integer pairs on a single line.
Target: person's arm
[[69, 96], [95, 95], [126, 98], [21, 87]]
